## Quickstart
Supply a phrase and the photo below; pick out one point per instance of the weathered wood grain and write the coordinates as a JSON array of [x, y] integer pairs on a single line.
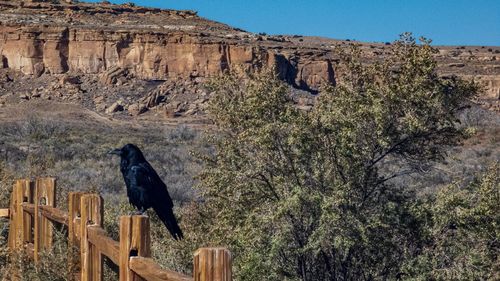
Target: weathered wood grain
[[20, 222], [151, 271], [92, 213], [28, 219], [212, 264], [107, 246], [74, 221], [4, 213], [134, 241], [54, 214], [29, 208], [45, 195]]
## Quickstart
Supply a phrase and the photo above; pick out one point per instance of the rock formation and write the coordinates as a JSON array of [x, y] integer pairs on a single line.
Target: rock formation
[[156, 58], [153, 44]]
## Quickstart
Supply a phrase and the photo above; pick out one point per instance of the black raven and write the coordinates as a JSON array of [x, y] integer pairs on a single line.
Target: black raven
[[145, 189]]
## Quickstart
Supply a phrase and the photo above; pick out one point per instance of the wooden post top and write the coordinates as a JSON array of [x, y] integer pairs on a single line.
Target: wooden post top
[[212, 264]]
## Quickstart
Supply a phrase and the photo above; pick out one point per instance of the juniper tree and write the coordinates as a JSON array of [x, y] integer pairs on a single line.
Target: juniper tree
[[307, 194]]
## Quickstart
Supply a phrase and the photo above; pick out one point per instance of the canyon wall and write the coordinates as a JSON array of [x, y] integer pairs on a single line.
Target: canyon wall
[[148, 55]]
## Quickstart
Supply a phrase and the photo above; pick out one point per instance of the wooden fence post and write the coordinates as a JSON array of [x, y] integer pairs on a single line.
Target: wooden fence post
[[28, 219], [134, 241], [212, 264], [20, 223], [92, 213], [45, 195], [74, 211]]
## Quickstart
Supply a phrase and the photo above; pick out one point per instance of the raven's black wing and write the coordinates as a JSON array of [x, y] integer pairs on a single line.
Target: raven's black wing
[[150, 191]]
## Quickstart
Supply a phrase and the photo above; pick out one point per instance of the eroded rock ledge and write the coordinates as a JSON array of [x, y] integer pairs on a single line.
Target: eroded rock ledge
[[154, 44]]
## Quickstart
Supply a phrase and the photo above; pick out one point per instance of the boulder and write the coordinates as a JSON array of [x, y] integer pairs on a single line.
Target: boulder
[[172, 113], [115, 107], [112, 75], [38, 69], [136, 109], [71, 80], [154, 99], [35, 94], [4, 78], [191, 111]]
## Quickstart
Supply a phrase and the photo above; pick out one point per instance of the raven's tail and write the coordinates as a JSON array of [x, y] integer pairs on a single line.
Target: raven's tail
[[167, 216]]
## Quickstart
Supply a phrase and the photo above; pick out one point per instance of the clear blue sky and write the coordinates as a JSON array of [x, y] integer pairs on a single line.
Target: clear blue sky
[[447, 22]]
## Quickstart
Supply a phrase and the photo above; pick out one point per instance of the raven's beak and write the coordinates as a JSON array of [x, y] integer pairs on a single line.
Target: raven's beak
[[115, 151]]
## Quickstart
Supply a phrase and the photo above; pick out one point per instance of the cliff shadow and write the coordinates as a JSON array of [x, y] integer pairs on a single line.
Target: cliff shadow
[[286, 69], [123, 47], [63, 48], [4, 62]]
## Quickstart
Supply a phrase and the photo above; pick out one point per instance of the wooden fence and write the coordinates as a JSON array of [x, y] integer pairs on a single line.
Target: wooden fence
[[33, 214]]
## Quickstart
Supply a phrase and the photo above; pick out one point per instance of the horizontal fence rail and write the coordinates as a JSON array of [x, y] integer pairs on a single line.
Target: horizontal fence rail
[[33, 214], [4, 213]]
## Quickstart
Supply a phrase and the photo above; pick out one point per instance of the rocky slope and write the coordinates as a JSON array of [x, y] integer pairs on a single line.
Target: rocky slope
[[112, 58]]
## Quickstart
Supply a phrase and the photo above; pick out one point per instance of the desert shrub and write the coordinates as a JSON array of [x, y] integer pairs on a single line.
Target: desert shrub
[[478, 117], [6, 180], [307, 195], [463, 232], [52, 266], [180, 135]]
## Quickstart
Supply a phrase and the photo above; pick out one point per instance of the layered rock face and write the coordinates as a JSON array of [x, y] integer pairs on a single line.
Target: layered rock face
[[35, 42], [55, 37], [478, 63]]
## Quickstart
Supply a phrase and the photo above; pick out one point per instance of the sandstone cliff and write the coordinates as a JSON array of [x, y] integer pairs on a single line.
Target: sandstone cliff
[[155, 44]]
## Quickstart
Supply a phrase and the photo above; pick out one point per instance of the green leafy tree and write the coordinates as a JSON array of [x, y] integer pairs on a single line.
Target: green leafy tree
[[307, 195], [464, 233]]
